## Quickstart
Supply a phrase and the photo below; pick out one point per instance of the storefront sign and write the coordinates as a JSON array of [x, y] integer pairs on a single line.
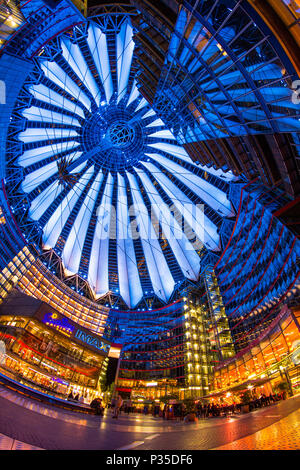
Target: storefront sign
[[115, 351], [66, 327], [92, 341], [58, 322]]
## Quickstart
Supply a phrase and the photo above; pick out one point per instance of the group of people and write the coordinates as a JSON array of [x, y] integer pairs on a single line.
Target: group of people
[[215, 409], [97, 406], [203, 410], [264, 400], [116, 405], [77, 397]]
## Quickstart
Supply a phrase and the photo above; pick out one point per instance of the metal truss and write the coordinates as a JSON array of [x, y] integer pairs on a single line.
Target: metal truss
[[80, 285]]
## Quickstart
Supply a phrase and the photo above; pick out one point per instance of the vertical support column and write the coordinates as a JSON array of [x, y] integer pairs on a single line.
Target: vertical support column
[[219, 329], [197, 362]]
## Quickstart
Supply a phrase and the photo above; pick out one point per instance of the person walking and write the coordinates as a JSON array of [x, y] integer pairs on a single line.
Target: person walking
[[129, 406], [118, 406]]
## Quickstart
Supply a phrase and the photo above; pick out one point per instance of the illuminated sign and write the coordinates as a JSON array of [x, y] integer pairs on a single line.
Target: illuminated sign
[[61, 324], [114, 352], [92, 341]]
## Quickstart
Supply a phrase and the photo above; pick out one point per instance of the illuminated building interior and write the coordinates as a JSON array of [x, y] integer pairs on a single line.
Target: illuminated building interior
[[150, 191], [45, 360]]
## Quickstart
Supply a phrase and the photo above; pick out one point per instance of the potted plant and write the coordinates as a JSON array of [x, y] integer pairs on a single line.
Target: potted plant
[[245, 400]]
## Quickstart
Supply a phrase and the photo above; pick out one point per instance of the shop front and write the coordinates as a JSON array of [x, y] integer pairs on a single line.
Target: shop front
[[148, 396], [149, 389], [270, 365], [48, 352]]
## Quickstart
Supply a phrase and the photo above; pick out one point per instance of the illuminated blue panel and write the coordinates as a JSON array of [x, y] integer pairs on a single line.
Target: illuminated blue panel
[[44, 115], [179, 152], [29, 157], [34, 179], [129, 279], [269, 94], [44, 200], [134, 94], [72, 251], [183, 250], [205, 230], [174, 44], [213, 47], [56, 223], [185, 55], [98, 266], [125, 47], [149, 113], [41, 203], [141, 104], [180, 25], [98, 47], [159, 272], [266, 71], [45, 94], [75, 59], [156, 123], [57, 75], [171, 149], [194, 35], [164, 134], [210, 194], [79, 168], [223, 175], [36, 135], [285, 122]]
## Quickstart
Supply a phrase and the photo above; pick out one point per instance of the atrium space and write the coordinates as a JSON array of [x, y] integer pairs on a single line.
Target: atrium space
[[149, 225]]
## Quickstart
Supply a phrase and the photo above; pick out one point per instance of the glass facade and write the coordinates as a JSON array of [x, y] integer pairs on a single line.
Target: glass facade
[[259, 266], [272, 358], [218, 86], [38, 283], [10, 19], [47, 361]]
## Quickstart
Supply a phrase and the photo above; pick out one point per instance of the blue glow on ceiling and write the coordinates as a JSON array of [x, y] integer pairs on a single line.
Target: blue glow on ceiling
[[96, 159]]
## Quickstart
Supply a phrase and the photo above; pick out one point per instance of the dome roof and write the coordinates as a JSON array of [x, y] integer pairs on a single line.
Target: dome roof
[[107, 186]]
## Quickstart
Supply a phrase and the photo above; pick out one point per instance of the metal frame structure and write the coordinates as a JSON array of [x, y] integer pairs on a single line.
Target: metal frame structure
[[62, 158]]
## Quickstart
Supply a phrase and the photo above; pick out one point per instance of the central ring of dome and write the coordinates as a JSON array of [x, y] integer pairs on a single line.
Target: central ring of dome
[[112, 138], [121, 134]]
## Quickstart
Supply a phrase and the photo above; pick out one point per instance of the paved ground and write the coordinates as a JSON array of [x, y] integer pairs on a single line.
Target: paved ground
[[26, 424]]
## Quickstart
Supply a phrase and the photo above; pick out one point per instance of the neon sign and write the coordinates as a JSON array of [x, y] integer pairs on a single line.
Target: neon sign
[[91, 341], [61, 324]]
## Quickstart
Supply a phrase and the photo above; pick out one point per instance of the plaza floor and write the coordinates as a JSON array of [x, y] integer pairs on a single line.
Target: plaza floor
[[27, 424]]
